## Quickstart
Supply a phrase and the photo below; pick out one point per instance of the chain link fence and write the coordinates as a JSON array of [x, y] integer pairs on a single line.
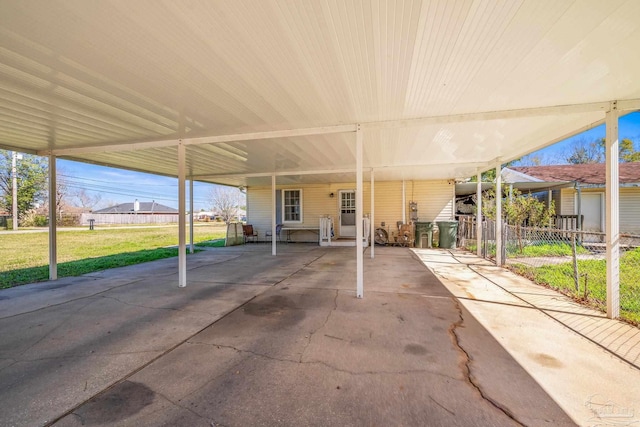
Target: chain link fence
[[571, 261]]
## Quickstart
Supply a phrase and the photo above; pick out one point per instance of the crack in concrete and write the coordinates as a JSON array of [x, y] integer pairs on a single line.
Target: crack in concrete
[[326, 320], [154, 308], [325, 364], [466, 365], [56, 327]]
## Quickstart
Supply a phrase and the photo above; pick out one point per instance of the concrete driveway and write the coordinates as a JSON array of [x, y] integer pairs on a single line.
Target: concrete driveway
[[262, 340]]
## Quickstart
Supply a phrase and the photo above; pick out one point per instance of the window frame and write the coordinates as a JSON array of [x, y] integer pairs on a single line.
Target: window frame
[[284, 205]]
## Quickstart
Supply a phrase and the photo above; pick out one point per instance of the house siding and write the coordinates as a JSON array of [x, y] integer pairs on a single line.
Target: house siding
[[434, 198], [567, 202], [629, 207]]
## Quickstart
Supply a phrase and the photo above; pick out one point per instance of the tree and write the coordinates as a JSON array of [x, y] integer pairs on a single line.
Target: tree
[[582, 152], [86, 200], [32, 182], [519, 210], [226, 201]]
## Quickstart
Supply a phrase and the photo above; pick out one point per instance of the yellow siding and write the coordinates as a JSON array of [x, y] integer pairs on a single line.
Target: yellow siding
[[434, 198]]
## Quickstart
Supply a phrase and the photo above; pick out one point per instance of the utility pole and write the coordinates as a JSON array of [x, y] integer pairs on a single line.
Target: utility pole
[[14, 177]]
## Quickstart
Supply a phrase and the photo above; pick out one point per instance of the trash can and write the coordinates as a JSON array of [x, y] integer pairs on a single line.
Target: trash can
[[448, 231], [424, 234], [91, 223]]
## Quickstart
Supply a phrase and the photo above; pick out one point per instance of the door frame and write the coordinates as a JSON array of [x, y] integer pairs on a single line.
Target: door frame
[[346, 230]]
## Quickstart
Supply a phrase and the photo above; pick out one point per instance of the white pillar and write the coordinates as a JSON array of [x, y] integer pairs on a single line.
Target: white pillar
[[404, 203], [479, 216], [53, 241], [359, 234], [372, 240], [14, 183], [273, 215], [612, 213], [182, 254], [191, 244], [498, 216]]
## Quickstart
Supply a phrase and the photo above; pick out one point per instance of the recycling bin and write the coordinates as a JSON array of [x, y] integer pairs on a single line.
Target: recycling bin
[[424, 234], [448, 231]]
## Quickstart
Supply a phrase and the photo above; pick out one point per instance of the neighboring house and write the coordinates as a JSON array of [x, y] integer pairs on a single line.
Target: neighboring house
[[140, 208], [303, 206], [133, 213], [586, 195]]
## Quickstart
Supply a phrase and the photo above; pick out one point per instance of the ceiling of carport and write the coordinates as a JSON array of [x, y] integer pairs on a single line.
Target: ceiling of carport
[[87, 80]]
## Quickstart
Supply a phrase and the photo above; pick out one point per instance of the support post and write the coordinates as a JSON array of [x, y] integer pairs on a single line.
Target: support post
[[479, 216], [53, 237], [182, 254], [191, 244], [14, 183], [498, 216], [359, 254], [404, 202], [273, 215], [612, 218], [372, 226]]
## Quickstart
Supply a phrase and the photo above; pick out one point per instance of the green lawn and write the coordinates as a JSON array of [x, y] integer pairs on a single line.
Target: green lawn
[[593, 274], [24, 256]]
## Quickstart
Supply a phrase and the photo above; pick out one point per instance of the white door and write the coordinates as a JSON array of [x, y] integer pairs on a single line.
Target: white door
[[591, 206], [592, 210], [347, 211]]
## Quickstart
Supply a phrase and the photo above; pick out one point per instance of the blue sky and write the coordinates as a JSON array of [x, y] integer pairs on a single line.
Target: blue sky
[[628, 128], [120, 186], [115, 185]]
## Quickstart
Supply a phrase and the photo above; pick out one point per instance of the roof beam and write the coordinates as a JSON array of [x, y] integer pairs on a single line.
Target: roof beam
[[252, 136], [281, 173], [492, 115], [629, 104]]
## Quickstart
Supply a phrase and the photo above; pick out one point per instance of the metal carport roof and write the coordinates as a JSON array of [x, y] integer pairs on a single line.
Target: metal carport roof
[[240, 91], [456, 86]]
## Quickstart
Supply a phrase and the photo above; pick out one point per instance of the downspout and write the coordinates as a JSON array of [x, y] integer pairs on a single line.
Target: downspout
[[578, 205]]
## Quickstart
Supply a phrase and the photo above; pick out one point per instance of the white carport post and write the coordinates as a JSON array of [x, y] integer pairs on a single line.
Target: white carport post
[[404, 202], [612, 191], [273, 215], [53, 241], [479, 216], [372, 240], [182, 254], [191, 249], [498, 215], [359, 206]]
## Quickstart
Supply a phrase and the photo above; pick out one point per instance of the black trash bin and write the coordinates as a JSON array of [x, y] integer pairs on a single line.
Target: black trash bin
[[91, 223], [448, 231], [424, 234]]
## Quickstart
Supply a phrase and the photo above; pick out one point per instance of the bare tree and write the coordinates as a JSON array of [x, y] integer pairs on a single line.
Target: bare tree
[[86, 200], [226, 201]]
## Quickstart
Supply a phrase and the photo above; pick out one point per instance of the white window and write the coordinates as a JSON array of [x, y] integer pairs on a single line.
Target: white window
[[292, 205]]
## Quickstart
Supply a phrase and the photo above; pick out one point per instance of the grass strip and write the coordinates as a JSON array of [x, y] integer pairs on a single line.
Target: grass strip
[[23, 276]]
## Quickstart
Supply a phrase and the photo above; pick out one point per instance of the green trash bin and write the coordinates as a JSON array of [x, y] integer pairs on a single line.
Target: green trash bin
[[448, 231], [424, 234]]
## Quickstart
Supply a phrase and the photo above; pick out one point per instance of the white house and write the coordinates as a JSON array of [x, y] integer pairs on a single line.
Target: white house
[[587, 194]]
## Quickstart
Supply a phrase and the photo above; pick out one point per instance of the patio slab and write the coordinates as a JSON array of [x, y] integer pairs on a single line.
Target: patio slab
[[262, 340]]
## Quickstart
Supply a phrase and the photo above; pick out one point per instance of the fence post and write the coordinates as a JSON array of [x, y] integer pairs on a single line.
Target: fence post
[[576, 277], [503, 247]]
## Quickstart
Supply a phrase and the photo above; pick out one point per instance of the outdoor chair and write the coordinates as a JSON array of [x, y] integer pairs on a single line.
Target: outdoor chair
[[406, 235], [249, 233], [268, 236]]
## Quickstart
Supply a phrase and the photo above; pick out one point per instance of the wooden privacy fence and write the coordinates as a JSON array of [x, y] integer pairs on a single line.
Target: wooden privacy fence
[[126, 219]]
